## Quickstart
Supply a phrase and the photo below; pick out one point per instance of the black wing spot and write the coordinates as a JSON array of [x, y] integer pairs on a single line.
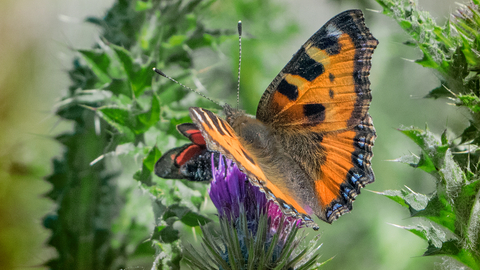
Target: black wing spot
[[288, 90], [314, 71], [330, 45], [304, 66], [315, 113], [331, 77], [330, 93], [327, 41]]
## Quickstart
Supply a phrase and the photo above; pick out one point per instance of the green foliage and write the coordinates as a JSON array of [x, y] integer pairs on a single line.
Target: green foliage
[[113, 103], [119, 106], [237, 248], [452, 49], [453, 210]]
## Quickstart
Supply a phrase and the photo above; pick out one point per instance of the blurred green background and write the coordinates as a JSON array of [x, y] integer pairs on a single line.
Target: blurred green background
[[37, 39]]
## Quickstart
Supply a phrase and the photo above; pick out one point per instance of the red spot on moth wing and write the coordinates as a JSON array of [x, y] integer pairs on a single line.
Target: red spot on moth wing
[[187, 154], [197, 138], [191, 131]]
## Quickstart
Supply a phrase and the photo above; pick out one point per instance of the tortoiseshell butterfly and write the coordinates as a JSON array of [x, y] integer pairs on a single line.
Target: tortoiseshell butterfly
[[309, 148]]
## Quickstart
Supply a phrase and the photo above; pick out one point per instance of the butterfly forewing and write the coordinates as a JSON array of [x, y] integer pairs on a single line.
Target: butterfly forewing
[[325, 86]]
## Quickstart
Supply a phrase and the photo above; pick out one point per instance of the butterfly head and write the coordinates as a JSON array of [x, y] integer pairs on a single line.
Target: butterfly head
[[232, 114]]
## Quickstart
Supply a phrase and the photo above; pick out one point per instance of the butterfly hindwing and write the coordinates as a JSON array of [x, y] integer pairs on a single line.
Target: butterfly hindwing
[[346, 168], [338, 165]]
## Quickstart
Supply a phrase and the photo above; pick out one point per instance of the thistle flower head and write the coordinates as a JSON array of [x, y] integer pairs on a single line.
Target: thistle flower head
[[233, 194], [254, 231]]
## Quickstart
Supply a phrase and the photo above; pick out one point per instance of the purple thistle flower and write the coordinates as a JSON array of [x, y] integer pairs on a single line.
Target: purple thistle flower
[[231, 193], [254, 231]]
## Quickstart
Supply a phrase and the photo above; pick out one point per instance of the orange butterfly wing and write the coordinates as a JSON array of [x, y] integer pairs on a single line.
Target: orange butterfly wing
[[346, 169], [325, 85], [323, 92]]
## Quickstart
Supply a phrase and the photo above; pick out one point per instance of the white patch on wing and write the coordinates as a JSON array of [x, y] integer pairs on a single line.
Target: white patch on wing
[[332, 30]]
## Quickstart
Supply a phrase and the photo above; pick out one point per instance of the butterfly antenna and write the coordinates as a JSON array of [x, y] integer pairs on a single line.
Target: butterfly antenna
[[184, 86], [239, 60]]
